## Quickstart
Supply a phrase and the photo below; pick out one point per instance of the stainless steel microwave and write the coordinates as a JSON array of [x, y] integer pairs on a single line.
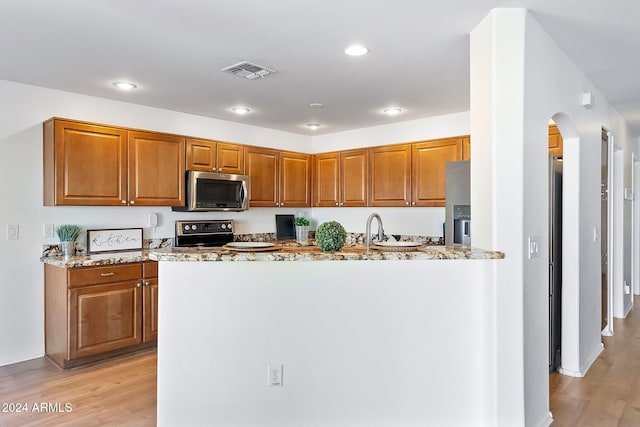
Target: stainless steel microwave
[[210, 191]]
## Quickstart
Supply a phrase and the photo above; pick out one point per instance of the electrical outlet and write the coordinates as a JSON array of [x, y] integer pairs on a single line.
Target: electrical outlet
[[13, 232], [48, 231], [627, 288], [274, 374]]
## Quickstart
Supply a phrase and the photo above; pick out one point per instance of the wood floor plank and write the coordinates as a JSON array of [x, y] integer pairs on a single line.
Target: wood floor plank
[[119, 391], [609, 394]]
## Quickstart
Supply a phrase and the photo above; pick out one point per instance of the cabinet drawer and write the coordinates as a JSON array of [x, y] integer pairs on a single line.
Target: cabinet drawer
[[150, 269], [104, 274]]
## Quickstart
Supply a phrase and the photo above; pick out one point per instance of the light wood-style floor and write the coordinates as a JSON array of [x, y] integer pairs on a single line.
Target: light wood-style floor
[[117, 392], [122, 391], [609, 395]]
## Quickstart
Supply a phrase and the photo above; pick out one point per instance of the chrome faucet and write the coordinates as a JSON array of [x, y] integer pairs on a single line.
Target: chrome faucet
[[368, 230]]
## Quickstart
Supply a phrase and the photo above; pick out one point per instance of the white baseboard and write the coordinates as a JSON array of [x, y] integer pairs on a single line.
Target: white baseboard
[[546, 422], [585, 367], [628, 308]]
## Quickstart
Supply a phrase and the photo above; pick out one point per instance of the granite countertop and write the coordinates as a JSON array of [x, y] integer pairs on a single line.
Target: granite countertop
[[97, 259], [293, 253]]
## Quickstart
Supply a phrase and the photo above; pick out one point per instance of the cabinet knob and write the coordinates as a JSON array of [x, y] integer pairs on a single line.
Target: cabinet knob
[[133, 202], [413, 203], [337, 204], [341, 204], [139, 284], [146, 283], [124, 202], [406, 203]]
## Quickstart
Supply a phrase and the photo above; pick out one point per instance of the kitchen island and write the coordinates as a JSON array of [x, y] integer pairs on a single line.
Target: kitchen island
[[363, 338]]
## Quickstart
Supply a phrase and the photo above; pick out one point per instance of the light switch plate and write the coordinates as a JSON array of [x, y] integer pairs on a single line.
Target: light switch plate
[[534, 247], [13, 232]]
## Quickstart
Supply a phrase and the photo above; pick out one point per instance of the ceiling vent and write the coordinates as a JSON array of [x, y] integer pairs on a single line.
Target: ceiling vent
[[248, 70]]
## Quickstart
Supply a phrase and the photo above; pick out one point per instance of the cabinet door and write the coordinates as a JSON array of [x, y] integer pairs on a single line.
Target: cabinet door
[[354, 183], [326, 180], [390, 175], [466, 148], [261, 164], [230, 158], [150, 310], [156, 169], [104, 318], [84, 164], [429, 161], [201, 155], [295, 180], [555, 141]]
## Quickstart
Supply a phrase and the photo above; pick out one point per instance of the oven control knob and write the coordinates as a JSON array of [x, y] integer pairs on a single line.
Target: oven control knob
[[194, 227], [224, 226]]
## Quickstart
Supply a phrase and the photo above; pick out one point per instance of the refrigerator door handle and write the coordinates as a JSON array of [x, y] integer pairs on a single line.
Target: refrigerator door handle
[[550, 279]]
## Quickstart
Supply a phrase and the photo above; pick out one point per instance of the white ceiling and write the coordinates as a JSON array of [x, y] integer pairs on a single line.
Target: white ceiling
[[418, 60]]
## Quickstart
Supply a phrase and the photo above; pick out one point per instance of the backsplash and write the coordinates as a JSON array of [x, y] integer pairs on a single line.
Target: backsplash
[[352, 238], [81, 248]]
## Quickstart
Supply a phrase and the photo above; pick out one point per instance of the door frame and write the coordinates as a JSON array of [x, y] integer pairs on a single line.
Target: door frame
[[608, 328]]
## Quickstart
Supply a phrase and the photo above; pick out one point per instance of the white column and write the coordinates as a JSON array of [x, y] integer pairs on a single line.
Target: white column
[[497, 199]]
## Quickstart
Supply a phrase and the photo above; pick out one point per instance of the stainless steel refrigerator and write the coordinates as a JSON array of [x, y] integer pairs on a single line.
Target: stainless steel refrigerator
[[555, 262], [457, 229]]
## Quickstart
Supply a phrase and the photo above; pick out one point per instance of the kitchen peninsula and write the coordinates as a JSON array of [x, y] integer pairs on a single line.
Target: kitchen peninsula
[[352, 337]]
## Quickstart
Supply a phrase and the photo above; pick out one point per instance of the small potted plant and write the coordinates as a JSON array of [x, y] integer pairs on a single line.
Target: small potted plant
[[68, 233], [331, 236], [302, 230]]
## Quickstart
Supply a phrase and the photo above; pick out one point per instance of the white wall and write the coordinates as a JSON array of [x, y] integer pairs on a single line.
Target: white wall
[[520, 79], [22, 111], [394, 133]]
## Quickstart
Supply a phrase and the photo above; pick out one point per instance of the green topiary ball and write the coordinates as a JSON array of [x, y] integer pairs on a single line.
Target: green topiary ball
[[331, 236]]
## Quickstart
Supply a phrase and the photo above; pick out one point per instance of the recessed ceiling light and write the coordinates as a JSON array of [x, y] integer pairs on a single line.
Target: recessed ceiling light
[[240, 110], [393, 111], [124, 85], [313, 126], [316, 105], [356, 50]]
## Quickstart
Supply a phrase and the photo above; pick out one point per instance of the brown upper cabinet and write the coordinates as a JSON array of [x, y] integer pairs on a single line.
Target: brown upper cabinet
[[428, 169], [261, 164], [555, 141], [88, 164], [341, 178], [214, 156], [390, 175], [156, 169], [278, 178], [466, 148], [412, 174], [295, 179]]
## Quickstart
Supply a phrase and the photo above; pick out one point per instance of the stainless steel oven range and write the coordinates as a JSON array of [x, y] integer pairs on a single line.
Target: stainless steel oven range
[[204, 233]]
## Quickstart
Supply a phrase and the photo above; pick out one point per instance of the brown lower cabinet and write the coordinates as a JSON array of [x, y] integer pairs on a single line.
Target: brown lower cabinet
[[93, 313]]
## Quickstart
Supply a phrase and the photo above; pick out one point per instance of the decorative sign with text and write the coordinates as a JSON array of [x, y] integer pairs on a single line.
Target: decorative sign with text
[[114, 240]]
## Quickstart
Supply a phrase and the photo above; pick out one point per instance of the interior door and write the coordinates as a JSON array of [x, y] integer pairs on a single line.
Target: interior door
[[604, 227]]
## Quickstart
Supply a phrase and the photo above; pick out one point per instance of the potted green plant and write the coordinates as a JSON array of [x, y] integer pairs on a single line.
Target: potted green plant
[[331, 236], [68, 233], [302, 230]]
